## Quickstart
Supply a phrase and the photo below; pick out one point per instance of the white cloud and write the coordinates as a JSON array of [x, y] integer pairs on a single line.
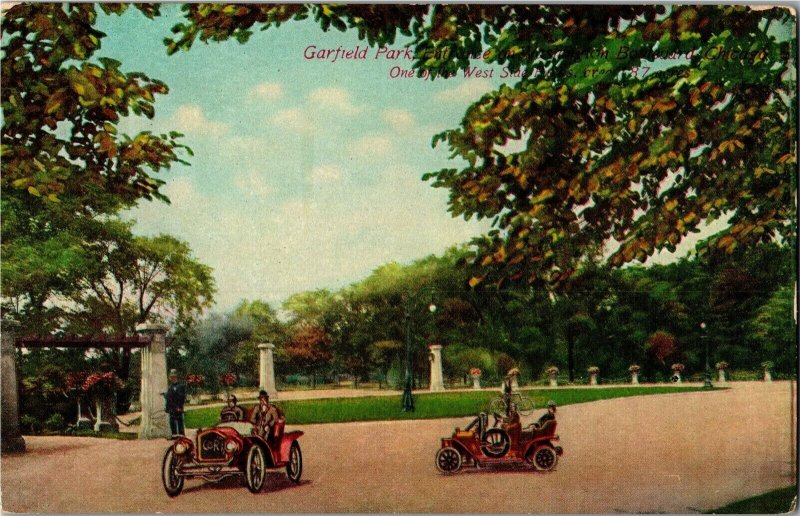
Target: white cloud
[[333, 98], [325, 174], [294, 119], [268, 91], [469, 90], [398, 119], [371, 148], [181, 191], [253, 183], [189, 118]]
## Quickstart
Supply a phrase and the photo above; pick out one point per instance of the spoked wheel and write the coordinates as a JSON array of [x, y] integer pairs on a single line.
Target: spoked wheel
[[173, 482], [525, 406], [255, 470], [496, 444], [294, 468], [543, 458], [448, 460]]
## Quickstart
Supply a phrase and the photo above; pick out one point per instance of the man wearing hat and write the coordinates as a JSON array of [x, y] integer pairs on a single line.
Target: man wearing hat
[[175, 397], [550, 416], [264, 416]]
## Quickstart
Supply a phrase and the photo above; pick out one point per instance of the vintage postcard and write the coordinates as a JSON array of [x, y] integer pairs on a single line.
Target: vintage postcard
[[414, 258]]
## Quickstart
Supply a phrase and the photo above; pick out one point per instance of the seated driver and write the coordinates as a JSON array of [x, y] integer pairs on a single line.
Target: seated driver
[[264, 416], [511, 422], [549, 416], [232, 412]]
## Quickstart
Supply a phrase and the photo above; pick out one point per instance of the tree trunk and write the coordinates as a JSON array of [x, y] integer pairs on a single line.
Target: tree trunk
[[571, 358]]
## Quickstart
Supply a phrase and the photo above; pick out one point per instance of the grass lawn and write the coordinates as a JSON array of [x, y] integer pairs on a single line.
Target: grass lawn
[[773, 502], [428, 406]]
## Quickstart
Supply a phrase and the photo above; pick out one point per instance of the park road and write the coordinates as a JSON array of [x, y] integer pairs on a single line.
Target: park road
[[678, 453]]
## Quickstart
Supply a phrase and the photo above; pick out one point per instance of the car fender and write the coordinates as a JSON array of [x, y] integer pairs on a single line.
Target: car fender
[[286, 443], [535, 444], [254, 440]]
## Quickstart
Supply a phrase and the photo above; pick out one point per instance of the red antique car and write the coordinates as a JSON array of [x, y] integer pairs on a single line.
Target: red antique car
[[507, 443], [232, 449]]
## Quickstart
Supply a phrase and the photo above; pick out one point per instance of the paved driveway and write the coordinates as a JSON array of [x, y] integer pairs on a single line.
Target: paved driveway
[[672, 453]]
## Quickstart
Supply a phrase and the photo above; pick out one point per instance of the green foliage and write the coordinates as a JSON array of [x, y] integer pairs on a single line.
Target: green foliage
[[55, 423], [49, 84], [210, 347], [30, 425]]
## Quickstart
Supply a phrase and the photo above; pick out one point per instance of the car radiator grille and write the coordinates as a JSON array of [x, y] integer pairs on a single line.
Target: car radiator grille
[[212, 447]]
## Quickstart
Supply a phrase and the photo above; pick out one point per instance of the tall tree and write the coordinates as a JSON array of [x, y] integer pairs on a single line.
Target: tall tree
[[309, 347], [65, 164]]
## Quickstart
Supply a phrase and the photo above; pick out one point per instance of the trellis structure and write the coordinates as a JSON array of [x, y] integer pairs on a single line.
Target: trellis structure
[[151, 340]]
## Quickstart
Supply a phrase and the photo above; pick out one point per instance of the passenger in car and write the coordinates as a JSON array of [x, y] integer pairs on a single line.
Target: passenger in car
[[264, 416]]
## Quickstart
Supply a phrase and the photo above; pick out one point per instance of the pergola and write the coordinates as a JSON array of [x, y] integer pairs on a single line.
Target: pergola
[[151, 340]]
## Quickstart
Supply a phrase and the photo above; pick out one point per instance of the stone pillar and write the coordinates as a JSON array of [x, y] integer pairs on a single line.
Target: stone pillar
[[266, 369], [437, 381], [154, 382], [476, 381], [12, 440]]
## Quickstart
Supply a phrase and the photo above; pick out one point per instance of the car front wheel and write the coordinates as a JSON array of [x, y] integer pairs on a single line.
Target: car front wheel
[[448, 460], [173, 482], [255, 471], [294, 468]]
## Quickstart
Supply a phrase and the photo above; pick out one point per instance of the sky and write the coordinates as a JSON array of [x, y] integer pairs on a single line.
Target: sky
[[306, 173]]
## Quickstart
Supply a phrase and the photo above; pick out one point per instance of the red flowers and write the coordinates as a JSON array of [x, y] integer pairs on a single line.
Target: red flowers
[[75, 380], [195, 379], [93, 382], [228, 379]]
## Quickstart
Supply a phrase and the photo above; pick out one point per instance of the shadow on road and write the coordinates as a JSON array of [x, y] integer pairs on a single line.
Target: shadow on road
[[273, 483]]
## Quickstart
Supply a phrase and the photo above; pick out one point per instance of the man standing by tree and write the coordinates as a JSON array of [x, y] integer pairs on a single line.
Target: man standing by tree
[[175, 397]]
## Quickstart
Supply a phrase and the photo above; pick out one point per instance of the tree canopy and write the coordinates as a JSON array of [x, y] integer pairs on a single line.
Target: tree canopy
[[597, 145]]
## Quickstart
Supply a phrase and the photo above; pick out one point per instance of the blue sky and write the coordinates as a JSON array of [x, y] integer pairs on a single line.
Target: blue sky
[[306, 173]]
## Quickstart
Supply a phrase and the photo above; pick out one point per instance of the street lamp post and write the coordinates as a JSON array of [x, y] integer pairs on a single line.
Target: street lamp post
[[408, 397], [707, 381]]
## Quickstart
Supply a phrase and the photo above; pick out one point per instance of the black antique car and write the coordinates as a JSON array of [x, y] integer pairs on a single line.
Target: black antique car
[[232, 449]]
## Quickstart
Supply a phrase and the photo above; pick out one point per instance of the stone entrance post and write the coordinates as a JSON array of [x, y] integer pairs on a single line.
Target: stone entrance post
[[12, 440], [437, 381], [266, 369], [154, 382]]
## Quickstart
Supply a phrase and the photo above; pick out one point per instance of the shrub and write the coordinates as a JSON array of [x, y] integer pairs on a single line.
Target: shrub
[[55, 423], [662, 346], [30, 425]]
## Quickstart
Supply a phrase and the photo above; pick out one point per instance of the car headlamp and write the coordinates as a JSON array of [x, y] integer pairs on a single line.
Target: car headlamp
[[181, 447]]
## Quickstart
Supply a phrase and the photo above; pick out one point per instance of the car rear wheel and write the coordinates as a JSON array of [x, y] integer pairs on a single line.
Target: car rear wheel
[[294, 468], [173, 482], [255, 470], [496, 444], [543, 458], [448, 460]]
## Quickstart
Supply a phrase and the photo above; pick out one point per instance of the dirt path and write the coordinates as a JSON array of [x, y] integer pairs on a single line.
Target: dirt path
[[677, 453]]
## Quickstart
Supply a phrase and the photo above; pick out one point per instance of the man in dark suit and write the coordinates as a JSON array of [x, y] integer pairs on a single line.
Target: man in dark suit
[[549, 416], [175, 397]]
